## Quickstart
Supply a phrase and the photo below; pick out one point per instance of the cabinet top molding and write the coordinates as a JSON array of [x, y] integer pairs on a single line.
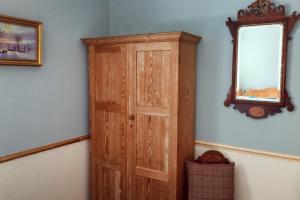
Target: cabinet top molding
[[149, 37]]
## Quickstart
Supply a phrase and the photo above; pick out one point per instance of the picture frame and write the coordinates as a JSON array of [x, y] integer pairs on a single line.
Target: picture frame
[[20, 41]]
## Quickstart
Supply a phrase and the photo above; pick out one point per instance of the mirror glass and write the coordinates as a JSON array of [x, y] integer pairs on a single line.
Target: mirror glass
[[259, 62]]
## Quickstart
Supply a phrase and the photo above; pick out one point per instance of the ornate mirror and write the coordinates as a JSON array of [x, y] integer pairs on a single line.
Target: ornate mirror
[[260, 39]]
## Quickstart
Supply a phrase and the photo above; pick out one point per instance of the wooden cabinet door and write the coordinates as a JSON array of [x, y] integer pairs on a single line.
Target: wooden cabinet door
[[108, 75], [150, 66]]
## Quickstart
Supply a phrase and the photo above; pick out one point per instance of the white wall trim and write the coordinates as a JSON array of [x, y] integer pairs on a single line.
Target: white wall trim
[[248, 151]]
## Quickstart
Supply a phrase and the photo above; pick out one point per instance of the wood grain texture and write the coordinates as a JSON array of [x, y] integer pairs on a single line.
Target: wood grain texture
[[186, 112], [151, 37], [148, 189], [143, 106], [110, 188], [173, 142], [109, 108], [152, 142], [152, 174], [42, 148], [150, 63], [92, 118]]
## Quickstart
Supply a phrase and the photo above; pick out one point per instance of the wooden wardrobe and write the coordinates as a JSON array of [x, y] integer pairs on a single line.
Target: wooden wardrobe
[[142, 115]]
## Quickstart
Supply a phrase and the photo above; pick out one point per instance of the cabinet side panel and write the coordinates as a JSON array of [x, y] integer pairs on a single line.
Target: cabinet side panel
[[186, 112], [173, 144], [92, 121]]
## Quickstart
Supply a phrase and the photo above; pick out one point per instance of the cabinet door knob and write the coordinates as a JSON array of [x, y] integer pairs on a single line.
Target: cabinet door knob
[[131, 117]]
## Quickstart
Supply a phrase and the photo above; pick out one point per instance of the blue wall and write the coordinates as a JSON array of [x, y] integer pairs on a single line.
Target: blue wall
[[43, 105], [215, 123]]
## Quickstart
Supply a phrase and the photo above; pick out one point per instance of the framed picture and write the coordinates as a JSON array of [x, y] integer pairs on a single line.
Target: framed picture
[[20, 41]]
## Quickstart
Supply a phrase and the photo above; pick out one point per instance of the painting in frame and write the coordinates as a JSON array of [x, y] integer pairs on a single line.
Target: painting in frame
[[20, 41]]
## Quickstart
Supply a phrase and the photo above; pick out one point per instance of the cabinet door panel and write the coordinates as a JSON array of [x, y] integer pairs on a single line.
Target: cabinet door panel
[[150, 69], [153, 78], [110, 186], [147, 189], [152, 135], [109, 135], [109, 144], [110, 74]]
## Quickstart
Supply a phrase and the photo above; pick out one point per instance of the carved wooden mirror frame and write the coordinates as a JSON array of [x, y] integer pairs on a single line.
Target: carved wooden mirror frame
[[259, 13]]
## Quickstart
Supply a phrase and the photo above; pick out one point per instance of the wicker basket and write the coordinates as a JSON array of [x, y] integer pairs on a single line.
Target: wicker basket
[[210, 181]]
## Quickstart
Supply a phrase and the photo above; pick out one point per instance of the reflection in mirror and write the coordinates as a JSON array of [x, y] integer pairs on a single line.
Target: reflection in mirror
[[259, 62]]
